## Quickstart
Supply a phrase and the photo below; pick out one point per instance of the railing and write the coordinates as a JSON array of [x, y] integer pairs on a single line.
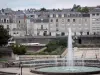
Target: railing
[[60, 62]]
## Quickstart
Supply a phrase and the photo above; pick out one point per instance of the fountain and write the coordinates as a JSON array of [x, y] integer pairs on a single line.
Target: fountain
[[70, 68], [70, 59]]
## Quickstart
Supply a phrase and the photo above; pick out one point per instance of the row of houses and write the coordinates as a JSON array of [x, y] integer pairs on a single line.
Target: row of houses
[[50, 22]]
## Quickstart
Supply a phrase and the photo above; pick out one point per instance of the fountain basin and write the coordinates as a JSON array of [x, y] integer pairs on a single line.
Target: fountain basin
[[63, 70]]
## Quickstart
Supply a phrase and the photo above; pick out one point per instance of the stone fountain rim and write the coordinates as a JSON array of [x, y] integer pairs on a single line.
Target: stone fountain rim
[[35, 70]]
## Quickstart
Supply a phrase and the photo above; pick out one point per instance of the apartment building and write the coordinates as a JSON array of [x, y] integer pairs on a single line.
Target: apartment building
[[95, 21], [56, 23], [50, 22]]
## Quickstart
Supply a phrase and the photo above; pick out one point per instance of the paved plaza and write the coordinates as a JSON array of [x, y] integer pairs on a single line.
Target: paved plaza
[[25, 71]]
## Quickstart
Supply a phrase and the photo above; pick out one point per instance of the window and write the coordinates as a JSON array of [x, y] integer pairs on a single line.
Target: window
[[85, 20], [80, 21], [50, 33], [65, 15], [68, 20], [39, 15], [38, 33], [62, 20], [7, 21], [80, 15], [56, 25], [57, 34], [81, 33], [87, 33], [73, 20], [4, 20], [80, 41], [56, 20], [14, 33], [94, 33], [74, 33], [7, 26], [51, 20], [44, 33], [97, 14], [54, 15], [41, 26], [48, 16], [57, 29], [93, 14], [31, 15], [68, 15], [59, 15], [62, 34], [19, 21]]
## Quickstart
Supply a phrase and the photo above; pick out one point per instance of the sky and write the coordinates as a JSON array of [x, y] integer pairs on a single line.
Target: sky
[[48, 4]]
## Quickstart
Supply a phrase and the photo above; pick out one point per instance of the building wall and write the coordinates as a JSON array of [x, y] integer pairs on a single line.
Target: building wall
[[41, 28], [18, 33], [51, 23], [81, 24], [21, 23], [95, 22]]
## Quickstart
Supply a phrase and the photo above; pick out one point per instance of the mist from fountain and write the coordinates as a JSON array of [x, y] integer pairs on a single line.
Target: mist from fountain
[[70, 54]]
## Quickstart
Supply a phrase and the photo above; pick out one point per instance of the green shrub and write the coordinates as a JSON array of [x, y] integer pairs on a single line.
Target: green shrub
[[19, 49]]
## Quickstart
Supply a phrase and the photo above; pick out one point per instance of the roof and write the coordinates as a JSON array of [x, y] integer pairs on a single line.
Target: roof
[[95, 10], [19, 12]]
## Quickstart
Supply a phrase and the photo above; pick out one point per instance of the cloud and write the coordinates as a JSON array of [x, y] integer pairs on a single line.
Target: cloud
[[22, 4]]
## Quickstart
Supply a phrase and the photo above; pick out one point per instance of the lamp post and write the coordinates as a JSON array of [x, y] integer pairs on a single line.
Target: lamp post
[[75, 40], [21, 67]]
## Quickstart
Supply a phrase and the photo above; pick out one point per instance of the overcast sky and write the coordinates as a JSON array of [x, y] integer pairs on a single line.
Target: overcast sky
[[49, 4]]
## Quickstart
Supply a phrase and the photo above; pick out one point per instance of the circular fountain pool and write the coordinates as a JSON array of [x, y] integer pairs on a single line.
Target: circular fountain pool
[[76, 70]]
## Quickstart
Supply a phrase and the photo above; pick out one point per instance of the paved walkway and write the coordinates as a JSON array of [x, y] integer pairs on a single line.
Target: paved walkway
[[25, 71]]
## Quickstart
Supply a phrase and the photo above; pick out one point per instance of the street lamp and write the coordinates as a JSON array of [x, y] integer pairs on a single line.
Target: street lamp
[[21, 67]]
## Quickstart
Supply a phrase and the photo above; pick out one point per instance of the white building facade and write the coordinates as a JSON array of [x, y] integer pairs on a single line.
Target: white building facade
[[95, 21], [51, 23]]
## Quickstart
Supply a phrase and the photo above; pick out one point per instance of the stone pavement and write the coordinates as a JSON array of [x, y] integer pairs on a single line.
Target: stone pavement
[[25, 71]]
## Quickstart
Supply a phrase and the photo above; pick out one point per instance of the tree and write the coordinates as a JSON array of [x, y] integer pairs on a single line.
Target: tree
[[19, 49], [4, 36], [74, 6], [80, 9], [56, 43], [85, 10], [43, 9], [52, 45]]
